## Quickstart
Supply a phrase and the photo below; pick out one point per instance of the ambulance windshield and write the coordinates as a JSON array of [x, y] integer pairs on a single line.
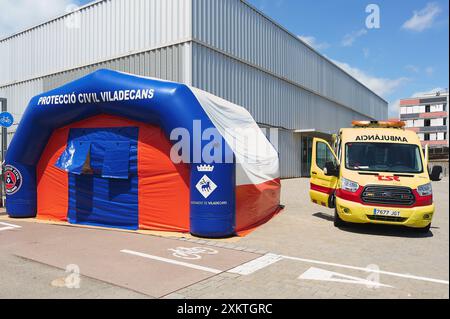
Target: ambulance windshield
[[383, 157]]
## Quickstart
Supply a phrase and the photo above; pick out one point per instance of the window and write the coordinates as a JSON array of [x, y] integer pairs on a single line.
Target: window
[[109, 159], [427, 108], [441, 136], [421, 136], [76, 158], [323, 155], [403, 110], [419, 123], [433, 137], [383, 157], [437, 122], [437, 108]]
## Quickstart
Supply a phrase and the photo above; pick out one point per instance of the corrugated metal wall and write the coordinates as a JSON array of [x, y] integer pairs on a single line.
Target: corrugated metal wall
[[270, 100], [19, 96], [97, 32], [289, 150], [112, 28], [167, 63], [225, 47], [237, 29]]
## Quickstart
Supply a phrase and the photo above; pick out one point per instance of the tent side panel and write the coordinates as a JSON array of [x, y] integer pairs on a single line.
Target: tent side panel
[[258, 184], [163, 186], [52, 183], [256, 204]]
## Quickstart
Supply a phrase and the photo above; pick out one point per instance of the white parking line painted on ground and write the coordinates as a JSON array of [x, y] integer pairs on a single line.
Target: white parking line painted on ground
[[318, 274], [407, 276], [269, 259], [8, 226], [256, 264], [172, 261]]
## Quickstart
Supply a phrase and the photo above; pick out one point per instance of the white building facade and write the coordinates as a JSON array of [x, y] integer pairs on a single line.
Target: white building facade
[[427, 115], [226, 47]]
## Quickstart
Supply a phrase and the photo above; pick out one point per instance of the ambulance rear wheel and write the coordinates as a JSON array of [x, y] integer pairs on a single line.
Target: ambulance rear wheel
[[338, 222]]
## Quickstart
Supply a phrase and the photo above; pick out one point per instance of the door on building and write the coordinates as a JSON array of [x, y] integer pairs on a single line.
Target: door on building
[[103, 179], [306, 155]]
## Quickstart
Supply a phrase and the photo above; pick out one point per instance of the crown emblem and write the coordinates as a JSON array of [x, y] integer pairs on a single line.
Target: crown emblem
[[205, 168]]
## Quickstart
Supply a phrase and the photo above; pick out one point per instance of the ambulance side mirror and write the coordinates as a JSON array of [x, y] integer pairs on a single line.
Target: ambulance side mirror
[[436, 173], [331, 169]]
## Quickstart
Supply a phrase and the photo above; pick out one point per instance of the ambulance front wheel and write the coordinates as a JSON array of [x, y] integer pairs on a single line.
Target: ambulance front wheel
[[338, 222]]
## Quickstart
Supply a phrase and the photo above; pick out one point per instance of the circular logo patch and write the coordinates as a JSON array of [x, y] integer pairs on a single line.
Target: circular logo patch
[[13, 180]]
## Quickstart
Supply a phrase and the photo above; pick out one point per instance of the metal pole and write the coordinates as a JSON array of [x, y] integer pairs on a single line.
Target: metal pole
[[4, 103]]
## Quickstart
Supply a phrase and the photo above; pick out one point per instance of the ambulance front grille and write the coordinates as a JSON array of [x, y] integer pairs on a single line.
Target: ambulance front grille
[[388, 195]]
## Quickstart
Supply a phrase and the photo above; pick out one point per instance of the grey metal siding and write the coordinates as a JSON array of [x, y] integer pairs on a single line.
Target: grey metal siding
[[112, 28], [289, 149], [236, 28], [225, 47], [103, 30], [166, 63], [19, 96], [270, 100]]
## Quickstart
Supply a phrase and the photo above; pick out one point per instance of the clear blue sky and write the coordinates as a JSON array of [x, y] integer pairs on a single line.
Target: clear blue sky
[[408, 54]]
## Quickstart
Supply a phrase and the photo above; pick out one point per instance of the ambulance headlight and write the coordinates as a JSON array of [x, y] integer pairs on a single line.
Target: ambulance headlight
[[425, 190], [349, 185]]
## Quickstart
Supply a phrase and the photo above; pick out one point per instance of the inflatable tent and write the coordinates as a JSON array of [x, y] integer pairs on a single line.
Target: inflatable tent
[[117, 150]]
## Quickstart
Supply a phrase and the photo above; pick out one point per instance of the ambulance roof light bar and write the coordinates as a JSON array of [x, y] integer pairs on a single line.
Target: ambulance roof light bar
[[379, 124]]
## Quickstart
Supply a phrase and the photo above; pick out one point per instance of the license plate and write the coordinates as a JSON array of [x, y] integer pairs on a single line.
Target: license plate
[[386, 212]]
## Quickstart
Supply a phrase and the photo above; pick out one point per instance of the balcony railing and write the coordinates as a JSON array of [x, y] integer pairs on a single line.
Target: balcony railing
[[432, 129], [413, 116], [429, 115]]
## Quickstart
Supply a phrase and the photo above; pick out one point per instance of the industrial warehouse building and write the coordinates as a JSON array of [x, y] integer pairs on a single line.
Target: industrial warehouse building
[[226, 47]]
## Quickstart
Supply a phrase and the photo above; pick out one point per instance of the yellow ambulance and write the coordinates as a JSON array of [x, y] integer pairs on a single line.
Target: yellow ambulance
[[378, 174]]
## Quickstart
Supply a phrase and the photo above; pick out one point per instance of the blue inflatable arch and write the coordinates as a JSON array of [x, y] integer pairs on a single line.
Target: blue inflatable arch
[[164, 104]]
